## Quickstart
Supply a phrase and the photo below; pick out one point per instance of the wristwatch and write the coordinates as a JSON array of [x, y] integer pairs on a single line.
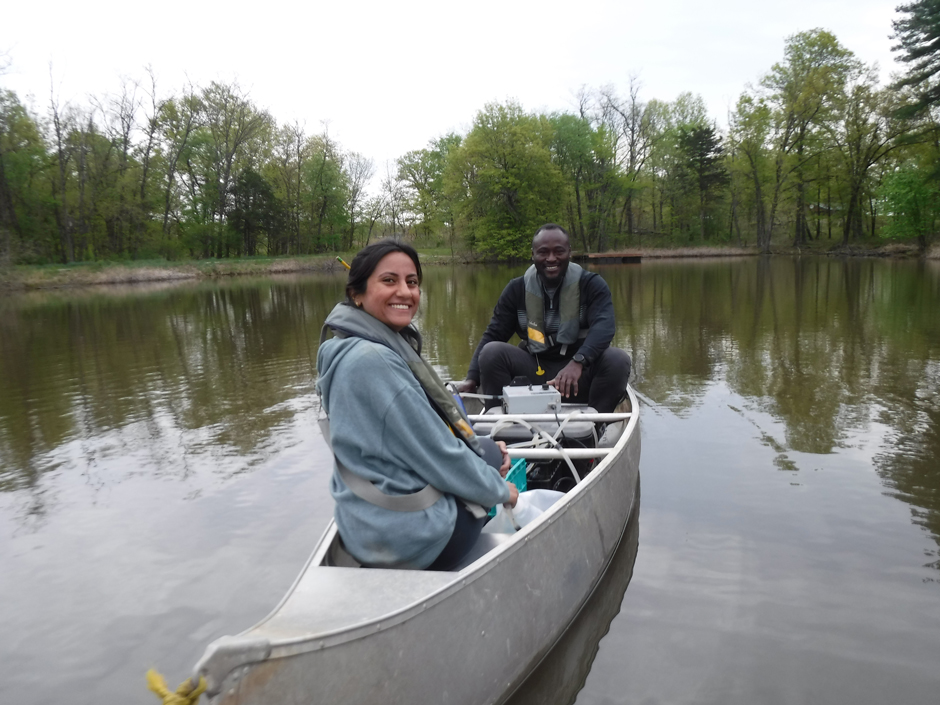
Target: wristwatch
[[578, 357]]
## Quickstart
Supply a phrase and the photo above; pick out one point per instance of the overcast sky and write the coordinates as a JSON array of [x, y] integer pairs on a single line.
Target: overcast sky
[[390, 76]]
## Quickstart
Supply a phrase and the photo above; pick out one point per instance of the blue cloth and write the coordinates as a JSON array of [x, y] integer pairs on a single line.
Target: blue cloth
[[384, 429]]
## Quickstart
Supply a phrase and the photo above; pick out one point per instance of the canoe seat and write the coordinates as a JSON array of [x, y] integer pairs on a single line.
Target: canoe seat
[[339, 557]]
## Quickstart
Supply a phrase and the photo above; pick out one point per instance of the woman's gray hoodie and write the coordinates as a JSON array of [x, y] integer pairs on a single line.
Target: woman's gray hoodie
[[384, 429]]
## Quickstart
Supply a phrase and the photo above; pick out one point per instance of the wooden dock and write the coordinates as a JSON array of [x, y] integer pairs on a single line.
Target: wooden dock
[[614, 258]]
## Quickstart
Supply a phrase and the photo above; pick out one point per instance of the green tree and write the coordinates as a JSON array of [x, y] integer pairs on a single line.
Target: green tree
[[504, 179], [178, 120], [26, 214], [918, 33], [573, 152], [446, 146], [634, 126], [668, 163], [422, 171], [255, 213], [232, 121], [803, 90], [866, 131], [704, 167], [325, 193], [912, 202], [751, 126], [290, 151]]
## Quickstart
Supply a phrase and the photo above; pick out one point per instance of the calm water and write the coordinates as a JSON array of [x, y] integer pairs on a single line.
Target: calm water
[[162, 479]]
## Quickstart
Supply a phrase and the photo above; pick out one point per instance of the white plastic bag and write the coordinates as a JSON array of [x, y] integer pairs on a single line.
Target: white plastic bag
[[528, 508]]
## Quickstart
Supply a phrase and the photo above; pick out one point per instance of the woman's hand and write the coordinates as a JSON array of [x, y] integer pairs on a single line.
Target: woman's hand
[[507, 463], [513, 495]]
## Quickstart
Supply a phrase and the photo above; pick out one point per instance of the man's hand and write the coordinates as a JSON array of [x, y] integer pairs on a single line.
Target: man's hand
[[507, 463], [566, 381], [468, 386], [513, 495]]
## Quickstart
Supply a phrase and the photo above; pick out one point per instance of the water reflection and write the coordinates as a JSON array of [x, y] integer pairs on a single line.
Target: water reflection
[[828, 347], [162, 478], [173, 373], [561, 674]]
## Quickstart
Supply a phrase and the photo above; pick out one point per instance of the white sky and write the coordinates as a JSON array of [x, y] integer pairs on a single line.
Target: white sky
[[390, 76]]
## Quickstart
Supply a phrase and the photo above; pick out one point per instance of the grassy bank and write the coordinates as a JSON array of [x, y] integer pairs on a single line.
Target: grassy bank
[[93, 273], [873, 248]]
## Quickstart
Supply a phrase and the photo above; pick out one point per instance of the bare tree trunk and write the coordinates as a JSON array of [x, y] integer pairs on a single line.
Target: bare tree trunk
[[628, 210], [63, 219], [153, 123], [653, 204], [8, 221], [848, 228], [818, 201], [178, 145], [799, 219], [701, 214], [577, 195], [83, 225], [763, 231]]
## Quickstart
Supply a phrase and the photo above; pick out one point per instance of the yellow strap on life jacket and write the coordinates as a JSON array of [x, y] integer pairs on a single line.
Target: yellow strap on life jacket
[[535, 334]]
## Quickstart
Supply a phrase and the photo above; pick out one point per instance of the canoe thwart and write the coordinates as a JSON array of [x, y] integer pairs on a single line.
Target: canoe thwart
[[553, 454], [535, 418]]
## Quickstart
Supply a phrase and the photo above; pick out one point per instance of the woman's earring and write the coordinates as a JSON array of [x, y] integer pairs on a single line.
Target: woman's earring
[[358, 304]]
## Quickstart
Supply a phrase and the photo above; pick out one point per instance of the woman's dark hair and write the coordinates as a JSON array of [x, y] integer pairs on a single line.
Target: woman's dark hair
[[368, 258]]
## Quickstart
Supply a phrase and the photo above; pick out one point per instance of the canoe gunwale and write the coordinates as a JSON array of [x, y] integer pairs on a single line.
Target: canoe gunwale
[[229, 653]]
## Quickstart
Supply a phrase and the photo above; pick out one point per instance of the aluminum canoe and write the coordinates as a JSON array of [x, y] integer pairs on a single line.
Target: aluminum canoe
[[390, 637]]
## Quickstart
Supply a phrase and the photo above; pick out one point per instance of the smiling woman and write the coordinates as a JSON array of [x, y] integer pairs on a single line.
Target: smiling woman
[[392, 292], [410, 475]]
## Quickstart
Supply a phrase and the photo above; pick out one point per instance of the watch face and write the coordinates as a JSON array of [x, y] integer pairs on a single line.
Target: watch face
[[579, 358]]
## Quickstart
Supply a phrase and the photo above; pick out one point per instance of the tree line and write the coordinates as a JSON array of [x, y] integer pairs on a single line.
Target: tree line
[[817, 150]]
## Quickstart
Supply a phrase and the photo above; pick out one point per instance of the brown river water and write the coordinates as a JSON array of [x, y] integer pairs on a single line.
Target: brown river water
[[162, 480]]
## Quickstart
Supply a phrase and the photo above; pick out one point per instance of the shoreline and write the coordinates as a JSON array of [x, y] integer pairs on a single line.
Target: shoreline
[[31, 278]]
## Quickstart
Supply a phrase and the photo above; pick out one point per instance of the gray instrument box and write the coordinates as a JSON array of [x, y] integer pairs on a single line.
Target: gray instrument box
[[531, 399]]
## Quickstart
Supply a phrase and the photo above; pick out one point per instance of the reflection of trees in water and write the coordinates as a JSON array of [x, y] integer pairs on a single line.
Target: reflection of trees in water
[[828, 347], [825, 346], [156, 378], [910, 465], [456, 306]]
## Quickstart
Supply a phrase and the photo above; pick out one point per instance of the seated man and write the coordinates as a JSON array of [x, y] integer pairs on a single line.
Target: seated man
[[565, 318]]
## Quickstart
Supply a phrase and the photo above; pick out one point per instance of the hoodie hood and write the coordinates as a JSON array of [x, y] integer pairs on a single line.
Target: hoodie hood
[[329, 354], [349, 322]]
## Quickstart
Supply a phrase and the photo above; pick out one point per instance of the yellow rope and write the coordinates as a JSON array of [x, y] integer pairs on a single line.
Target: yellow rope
[[184, 695]]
